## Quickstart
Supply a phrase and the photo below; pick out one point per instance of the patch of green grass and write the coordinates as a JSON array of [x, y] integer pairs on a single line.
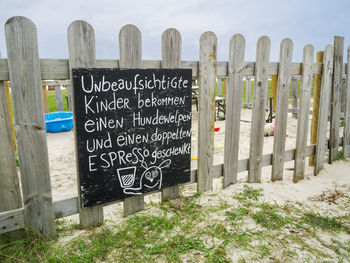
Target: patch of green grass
[[51, 99], [249, 193]]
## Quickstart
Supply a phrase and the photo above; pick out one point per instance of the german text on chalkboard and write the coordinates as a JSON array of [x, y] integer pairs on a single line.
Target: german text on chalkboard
[[133, 131]]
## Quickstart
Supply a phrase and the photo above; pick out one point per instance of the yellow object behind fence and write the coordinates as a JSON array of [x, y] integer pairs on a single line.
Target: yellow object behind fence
[[9, 103]]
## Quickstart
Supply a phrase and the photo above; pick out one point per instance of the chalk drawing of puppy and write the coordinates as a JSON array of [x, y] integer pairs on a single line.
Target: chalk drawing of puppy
[[150, 179]]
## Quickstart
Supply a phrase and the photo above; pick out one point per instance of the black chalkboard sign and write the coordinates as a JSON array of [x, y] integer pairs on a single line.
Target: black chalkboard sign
[[133, 131]]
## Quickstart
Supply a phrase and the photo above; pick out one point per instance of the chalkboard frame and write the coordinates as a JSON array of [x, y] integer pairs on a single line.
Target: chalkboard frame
[[160, 166]]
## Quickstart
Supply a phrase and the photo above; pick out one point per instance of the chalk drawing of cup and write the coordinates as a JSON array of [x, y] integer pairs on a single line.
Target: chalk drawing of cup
[[127, 176]]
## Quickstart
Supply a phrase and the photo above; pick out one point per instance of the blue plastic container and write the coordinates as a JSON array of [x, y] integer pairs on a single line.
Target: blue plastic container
[[58, 121]]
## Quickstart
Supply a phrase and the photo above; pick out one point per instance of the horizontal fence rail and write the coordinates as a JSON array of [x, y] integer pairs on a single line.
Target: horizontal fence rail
[[14, 219], [56, 69]]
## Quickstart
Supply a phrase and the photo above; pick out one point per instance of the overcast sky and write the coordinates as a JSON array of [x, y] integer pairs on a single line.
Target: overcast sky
[[304, 21]]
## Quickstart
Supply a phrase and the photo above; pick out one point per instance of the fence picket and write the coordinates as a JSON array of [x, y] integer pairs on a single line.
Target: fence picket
[[69, 96], [171, 58], [294, 98], [283, 85], [326, 86], [59, 101], [346, 132], [130, 50], [258, 114], [25, 72], [81, 46], [303, 114], [207, 85], [335, 100], [233, 108], [10, 194], [248, 91]]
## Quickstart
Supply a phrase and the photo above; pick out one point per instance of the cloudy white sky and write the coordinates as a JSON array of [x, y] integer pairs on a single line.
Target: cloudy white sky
[[304, 21]]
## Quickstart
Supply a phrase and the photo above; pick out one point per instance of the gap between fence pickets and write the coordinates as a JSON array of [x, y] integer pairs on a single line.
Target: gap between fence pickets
[[56, 69], [14, 219]]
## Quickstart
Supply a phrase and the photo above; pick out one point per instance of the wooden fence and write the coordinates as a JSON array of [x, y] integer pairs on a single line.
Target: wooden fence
[[32, 205]]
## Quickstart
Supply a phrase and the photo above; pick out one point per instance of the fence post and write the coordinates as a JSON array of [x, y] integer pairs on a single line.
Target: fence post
[[326, 89], [10, 194], [316, 105], [346, 132], [69, 95], [130, 50], [233, 108], [294, 98], [274, 91], [10, 108], [59, 101], [171, 58], [25, 72], [81, 47], [258, 114], [336, 100], [283, 85], [248, 91], [303, 115], [45, 101], [207, 85]]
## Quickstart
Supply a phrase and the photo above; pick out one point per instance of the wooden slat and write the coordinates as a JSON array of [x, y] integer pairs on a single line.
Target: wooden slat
[[248, 92], [130, 50], [13, 220], [258, 114], [335, 97], [81, 47], [316, 105], [326, 87], [283, 84], [24, 68], [66, 207], [10, 194], [55, 82], [207, 84], [303, 115], [171, 58], [59, 102], [346, 132], [233, 109], [45, 99], [69, 96], [294, 97], [58, 69]]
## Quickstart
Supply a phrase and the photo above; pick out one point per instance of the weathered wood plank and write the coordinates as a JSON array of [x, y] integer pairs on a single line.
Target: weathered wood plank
[[69, 96], [335, 97], [283, 85], [59, 101], [58, 69], [346, 131], [130, 50], [294, 97], [171, 58], [10, 194], [24, 68], [258, 114], [207, 84], [11, 220], [248, 92], [81, 47], [326, 87], [303, 115], [316, 105], [233, 109]]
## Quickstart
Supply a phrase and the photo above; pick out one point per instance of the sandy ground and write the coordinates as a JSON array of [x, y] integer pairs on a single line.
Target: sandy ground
[[64, 182]]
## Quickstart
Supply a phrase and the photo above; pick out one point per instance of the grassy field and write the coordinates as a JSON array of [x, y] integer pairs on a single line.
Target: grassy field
[[252, 230]]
